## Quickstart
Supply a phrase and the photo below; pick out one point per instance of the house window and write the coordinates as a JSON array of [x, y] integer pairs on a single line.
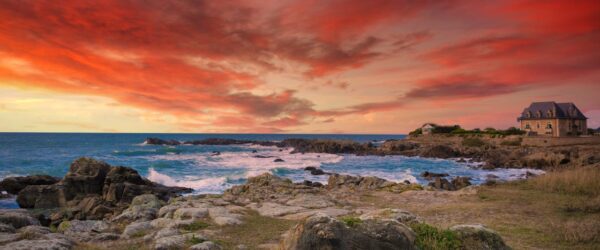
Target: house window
[[538, 114], [538, 125], [549, 126], [549, 113], [527, 126], [528, 114]]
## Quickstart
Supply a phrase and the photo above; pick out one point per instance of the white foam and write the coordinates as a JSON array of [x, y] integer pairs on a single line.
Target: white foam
[[208, 185]]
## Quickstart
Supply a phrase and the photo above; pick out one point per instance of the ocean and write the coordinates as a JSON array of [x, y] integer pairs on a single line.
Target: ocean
[[198, 168]]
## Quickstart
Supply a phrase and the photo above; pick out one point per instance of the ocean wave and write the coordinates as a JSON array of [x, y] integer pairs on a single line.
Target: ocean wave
[[206, 185]]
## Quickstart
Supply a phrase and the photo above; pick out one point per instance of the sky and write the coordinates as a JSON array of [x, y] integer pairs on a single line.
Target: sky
[[286, 66]]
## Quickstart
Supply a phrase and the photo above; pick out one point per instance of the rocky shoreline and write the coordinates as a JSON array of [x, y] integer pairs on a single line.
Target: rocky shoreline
[[101, 206], [506, 152]]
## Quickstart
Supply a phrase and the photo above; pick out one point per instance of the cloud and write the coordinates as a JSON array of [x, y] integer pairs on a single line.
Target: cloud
[[460, 86]]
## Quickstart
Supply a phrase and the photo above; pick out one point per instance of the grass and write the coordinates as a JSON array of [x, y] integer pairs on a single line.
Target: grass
[[511, 143], [195, 226], [580, 181], [473, 142], [429, 237], [193, 241], [255, 231], [351, 221]]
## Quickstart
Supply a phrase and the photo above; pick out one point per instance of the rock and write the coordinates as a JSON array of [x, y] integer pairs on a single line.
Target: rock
[[430, 175], [15, 184], [442, 183], [278, 160], [266, 187], [461, 182], [324, 232], [310, 168], [8, 237], [170, 242], [166, 232], [95, 190], [32, 230], [226, 221], [5, 228], [190, 213], [479, 237], [43, 244], [317, 172], [83, 230], [262, 156], [310, 201], [529, 175], [312, 184], [157, 141], [207, 245], [137, 229], [142, 208], [17, 218], [357, 182], [215, 153], [399, 215], [274, 210], [105, 237], [439, 151]]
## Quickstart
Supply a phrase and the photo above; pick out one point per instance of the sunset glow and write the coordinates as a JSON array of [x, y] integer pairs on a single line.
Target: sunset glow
[[292, 66]]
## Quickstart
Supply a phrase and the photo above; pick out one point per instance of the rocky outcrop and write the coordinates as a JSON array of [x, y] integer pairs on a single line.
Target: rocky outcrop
[[13, 185], [338, 181], [476, 237], [324, 232], [93, 190], [158, 141]]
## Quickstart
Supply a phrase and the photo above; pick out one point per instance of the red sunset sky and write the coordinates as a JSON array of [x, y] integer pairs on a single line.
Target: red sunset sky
[[305, 66]]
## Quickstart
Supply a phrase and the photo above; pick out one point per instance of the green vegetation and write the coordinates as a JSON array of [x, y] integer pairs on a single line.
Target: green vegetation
[[193, 241], [255, 231], [429, 237], [351, 221], [63, 226], [457, 130], [194, 226], [473, 142], [139, 234]]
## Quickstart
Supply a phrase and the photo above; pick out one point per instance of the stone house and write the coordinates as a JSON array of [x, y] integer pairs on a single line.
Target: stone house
[[427, 128], [553, 119]]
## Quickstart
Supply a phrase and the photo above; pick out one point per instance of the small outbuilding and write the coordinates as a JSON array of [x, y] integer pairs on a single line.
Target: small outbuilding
[[427, 128]]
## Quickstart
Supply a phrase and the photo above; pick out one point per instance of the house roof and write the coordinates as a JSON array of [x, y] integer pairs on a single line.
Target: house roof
[[551, 110]]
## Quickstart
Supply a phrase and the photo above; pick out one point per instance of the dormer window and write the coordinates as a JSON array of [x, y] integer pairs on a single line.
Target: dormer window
[[538, 114], [528, 114], [549, 113]]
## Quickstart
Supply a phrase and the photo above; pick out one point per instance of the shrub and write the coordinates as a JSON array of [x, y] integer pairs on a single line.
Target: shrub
[[473, 142], [418, 131], [351, 221], [429, 237]]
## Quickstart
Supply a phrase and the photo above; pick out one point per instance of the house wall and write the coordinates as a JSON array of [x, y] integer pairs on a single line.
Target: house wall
[[540, 126], [560, 127]]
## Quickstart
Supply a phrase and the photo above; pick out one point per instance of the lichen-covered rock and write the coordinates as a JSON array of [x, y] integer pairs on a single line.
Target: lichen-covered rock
[[324, 232], [137, 229], [478, 237], [44, 244], [399, 215], [83, 230], [142, 208], [6, 228], [442, 183]]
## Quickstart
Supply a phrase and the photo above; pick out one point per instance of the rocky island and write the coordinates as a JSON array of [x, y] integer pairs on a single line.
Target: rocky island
[[98, 206]]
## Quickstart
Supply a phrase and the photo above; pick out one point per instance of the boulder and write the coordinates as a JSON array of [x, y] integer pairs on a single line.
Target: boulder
[[94, 190], [461, 182], [137, 229], [357, 182], [17, 218], [442, 183], [324, 232], [398, 215], [207, 245], [6, 228], [41, 244], [430, 175], [158, 141], [13, 185], [83, 230], [278, 160], [142, 208], [479, 237]]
